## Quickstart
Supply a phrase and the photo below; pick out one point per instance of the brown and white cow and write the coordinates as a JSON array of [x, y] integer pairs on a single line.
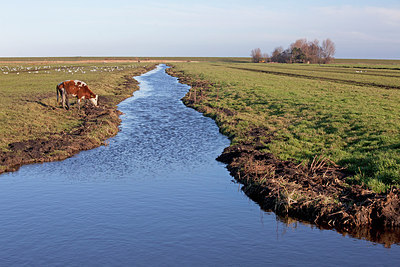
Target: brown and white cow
[[75, 88]]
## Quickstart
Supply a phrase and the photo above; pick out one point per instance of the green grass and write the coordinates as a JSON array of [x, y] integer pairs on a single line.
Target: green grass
[[28, 96], [323, 111]]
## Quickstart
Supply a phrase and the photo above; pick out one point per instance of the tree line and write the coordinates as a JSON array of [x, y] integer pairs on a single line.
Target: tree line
[[301, 51]]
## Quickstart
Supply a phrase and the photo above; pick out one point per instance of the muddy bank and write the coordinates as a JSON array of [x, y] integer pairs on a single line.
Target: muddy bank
[[316, 193], [97, 125]]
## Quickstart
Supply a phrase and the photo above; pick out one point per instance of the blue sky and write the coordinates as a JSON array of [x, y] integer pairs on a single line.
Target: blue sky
[[360, 29]]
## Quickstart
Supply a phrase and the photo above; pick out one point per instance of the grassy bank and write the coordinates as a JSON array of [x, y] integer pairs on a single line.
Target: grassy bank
[[344, 114], [28, 109], [318, 143]]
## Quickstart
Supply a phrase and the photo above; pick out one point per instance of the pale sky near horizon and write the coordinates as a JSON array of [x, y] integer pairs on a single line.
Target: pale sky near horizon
[[359, 28]]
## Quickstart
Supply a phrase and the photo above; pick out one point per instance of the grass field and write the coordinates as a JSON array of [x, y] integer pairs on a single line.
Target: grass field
[[347, 112], [28, 108], [371, 63]]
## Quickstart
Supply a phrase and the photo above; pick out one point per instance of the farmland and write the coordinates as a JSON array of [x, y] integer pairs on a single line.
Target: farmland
[[29, 112]]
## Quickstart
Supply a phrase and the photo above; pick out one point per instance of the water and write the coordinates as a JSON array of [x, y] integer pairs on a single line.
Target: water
[[156, 196]]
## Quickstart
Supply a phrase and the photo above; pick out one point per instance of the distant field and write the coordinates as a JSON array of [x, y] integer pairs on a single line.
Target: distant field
[[46, 59], [370, 62], [374, 63], [341, 111]]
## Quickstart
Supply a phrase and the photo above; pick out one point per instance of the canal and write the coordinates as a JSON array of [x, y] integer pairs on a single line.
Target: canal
[[156, 196]]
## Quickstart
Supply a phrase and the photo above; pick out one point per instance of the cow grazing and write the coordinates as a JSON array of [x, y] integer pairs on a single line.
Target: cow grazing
[[75, 88]]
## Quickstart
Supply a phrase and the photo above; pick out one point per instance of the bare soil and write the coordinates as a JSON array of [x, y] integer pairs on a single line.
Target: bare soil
[[316, 193]]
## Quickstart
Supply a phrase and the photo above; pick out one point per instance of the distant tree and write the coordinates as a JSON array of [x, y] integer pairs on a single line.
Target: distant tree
[[256, 55], [300, 43], [302, 51], [297, 55], [328, 50], [314, 51], [277, 54], [286, 56]]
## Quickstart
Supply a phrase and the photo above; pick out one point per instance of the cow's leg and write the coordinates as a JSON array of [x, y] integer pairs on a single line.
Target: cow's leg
[[66, 100], [63, 98], [79, 104], [58, 95]]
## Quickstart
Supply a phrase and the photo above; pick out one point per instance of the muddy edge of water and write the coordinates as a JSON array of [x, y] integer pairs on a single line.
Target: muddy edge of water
[[316, 193], [98, 124]]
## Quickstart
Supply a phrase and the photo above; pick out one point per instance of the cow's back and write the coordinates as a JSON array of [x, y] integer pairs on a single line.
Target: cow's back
[[73, 87]]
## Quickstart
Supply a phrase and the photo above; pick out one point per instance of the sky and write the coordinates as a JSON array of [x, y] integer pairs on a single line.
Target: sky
[[359, 28]]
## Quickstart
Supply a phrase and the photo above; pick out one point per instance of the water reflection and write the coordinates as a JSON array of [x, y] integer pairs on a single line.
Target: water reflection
[[386, 237]]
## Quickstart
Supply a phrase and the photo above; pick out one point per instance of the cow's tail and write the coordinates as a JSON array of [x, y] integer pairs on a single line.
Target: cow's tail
[[63, 95]]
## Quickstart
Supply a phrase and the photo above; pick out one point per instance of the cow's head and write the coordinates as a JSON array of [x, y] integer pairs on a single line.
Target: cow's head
[[95, 100]]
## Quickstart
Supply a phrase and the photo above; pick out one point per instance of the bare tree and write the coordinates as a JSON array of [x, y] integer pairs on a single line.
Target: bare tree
[[256, 55], [300, 43], [302, 51], [314, 51], [328, 50]]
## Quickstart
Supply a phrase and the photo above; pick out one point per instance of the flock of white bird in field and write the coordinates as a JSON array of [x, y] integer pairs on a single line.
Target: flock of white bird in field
[[67, 69]]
